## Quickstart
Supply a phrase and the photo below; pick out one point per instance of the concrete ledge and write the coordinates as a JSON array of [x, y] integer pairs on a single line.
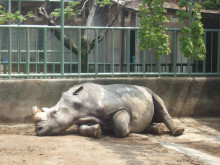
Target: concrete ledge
[[183, 97]]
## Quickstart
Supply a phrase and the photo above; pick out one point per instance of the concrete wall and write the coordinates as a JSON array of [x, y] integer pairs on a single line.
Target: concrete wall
[[182, 96]]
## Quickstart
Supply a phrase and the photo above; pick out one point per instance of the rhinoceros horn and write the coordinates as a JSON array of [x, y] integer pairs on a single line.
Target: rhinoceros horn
[[35, 111]]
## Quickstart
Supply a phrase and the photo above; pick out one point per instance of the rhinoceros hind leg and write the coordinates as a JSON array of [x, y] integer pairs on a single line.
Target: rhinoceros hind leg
[[90, 130], [121, 120], [156, 128], [178, 131], [161, 115]]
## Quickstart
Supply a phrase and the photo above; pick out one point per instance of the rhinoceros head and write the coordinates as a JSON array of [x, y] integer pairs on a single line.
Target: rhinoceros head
[[52, 121]]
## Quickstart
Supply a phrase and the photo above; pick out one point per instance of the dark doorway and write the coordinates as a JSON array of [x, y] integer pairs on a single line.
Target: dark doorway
[[211, 43]]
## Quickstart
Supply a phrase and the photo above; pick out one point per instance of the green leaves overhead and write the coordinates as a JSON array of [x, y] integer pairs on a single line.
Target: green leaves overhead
[[191, 40], [69, 10], [152, 31], [8, 18], [103, 3]]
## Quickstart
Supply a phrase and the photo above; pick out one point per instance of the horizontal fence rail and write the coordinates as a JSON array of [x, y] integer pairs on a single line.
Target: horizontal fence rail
[[29, 51]]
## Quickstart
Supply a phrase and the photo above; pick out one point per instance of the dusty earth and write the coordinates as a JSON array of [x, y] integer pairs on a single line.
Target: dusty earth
[[200, 145]]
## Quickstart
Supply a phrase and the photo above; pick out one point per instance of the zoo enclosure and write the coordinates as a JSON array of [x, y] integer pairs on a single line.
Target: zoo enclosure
[[34, 51]]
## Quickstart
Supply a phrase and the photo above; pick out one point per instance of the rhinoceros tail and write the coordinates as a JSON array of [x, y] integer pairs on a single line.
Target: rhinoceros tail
[[161, 115]]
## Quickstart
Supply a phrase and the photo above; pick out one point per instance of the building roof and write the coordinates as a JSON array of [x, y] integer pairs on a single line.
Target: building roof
[[135, 5]]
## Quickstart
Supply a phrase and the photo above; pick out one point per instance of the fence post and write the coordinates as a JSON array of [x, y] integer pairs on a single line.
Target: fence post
[[128, 51], [62, 37], [144, 61], [79, 52], [19, 40], [45, 51], [9, 52], [175, 52], [96, 52], [218, 55], [112, 51], [28, 51], [204, 61], [1, 52]]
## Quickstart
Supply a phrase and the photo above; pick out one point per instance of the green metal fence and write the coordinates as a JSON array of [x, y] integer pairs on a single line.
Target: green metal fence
[[34, 51], [29, 51]]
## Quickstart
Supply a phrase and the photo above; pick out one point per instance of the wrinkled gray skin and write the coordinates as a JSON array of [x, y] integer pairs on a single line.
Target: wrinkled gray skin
[[97, 109]]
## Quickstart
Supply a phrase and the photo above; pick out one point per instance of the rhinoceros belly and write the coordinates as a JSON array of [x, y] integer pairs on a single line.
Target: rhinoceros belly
[[142, 110]]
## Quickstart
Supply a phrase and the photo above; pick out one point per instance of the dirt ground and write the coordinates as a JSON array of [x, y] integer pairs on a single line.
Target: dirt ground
[[200, 145]]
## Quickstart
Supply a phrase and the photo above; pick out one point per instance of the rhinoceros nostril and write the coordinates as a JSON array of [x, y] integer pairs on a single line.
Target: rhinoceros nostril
[[38, 129]]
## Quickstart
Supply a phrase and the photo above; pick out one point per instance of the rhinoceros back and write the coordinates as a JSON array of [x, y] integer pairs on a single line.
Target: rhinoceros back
[[136, 100]]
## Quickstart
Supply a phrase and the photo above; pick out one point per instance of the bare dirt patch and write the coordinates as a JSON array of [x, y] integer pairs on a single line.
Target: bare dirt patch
[[199, 145]]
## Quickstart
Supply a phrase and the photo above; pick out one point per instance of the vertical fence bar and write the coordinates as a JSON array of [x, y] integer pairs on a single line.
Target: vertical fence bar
[[175, 52], [87, 47], [45, 51], [112, 51], [28, 51], [62, 37], [36, 53], [79, 52], [19, 41], [18, 49], [96, 52], [53, 53], [158, 65], [189, 66], [144, 61], [218, 55], [9, 51], [151, 61], [128, 50], [9, 6], [104, 52], [204, 61], [136, 51], [10, 44], [211, 51], [0, 51], [71, 54]]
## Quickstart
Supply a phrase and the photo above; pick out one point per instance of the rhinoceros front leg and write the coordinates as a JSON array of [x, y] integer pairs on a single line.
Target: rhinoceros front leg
[[90, 130], [121, 120]]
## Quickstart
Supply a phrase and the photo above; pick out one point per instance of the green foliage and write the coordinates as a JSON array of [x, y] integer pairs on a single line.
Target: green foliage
[[13, 17], [210, 4], [69, 10], [103, 3], [152, 31], [191, 41]]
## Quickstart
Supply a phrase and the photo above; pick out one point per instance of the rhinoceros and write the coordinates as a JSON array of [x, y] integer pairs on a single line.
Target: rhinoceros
[[97, 109]]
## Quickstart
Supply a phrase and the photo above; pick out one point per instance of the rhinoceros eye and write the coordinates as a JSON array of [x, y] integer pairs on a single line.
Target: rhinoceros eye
[[53, 113], [77, 106]]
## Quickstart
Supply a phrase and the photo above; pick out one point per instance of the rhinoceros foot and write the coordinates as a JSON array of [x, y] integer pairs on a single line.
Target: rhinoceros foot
[[98, 131], [156, 128], [178, 131]]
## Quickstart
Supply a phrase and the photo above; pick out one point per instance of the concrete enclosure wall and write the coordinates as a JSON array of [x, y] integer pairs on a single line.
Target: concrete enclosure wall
[[182, 96]]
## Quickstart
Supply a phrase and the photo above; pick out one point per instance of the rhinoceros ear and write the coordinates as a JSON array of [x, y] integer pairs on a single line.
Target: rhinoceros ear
[[78, 90]]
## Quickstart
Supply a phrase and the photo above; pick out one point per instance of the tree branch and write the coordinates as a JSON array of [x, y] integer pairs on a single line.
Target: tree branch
[[67, 42], [101, 36], [90, 18]]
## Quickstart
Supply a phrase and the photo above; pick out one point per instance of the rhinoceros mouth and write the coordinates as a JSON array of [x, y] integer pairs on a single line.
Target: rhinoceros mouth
[[41, 129]]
